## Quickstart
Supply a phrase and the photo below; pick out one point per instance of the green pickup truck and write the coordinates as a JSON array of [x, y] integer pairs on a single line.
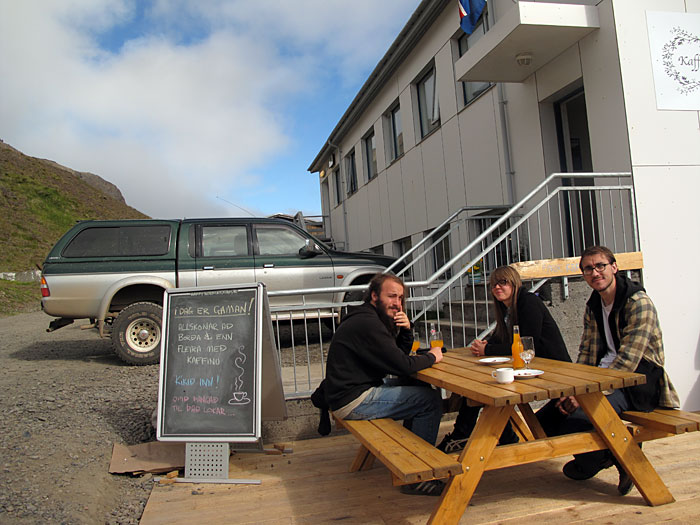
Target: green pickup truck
[[114, 273]]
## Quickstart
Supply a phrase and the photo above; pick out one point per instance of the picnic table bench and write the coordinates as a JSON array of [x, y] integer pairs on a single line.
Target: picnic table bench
[[660, 423], [409, 458]]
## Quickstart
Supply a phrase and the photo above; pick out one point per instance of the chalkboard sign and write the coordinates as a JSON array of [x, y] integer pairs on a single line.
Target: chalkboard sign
[[210, 368]]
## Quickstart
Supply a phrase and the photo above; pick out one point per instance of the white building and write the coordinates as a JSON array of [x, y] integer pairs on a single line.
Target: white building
[[587, 85]]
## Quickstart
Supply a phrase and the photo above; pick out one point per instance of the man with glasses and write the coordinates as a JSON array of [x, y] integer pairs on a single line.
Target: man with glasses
[[621, 331]]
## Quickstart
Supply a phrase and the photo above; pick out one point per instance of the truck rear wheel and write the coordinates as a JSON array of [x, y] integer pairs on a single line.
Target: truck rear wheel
[[136, 333]]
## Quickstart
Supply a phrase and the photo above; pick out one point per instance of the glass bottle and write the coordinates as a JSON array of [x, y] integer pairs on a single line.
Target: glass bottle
[[516, 348]]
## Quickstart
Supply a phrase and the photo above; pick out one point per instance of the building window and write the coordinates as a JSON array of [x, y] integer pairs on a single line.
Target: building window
[[377, 249], [371, 155], [337, 182], [395, 133], [351, 173], [471, 90], [428, 104], [401, 246], [442, 252]]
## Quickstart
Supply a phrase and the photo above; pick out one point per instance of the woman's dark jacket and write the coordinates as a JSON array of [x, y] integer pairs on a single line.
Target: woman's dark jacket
[[534, 320]]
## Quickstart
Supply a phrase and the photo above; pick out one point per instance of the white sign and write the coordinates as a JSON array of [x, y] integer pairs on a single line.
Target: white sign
[[674, 39]]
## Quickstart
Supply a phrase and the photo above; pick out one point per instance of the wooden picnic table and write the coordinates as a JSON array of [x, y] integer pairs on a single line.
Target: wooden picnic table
[[463, 374]]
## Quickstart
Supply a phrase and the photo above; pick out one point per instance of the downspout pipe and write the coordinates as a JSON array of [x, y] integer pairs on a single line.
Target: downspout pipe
[[507, 158], [346, 242], [505, 130]]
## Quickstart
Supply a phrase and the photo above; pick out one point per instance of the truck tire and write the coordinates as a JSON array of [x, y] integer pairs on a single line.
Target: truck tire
[[136, 333]]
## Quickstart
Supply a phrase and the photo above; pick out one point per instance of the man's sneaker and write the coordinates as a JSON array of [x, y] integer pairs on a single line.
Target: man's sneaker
[[580, 470], [624, 485], [434, 487], [452, 443]]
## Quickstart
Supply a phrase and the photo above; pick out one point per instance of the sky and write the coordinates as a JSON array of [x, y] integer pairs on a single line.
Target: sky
[[199, 108]]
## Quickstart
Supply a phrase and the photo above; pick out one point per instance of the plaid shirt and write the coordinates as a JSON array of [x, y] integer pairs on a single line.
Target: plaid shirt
[[640, 338]]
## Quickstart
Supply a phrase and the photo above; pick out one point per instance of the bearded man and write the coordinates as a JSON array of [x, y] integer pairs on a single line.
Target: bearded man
[[372, 342]]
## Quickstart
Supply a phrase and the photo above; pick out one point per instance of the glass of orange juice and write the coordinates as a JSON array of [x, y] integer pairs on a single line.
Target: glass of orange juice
[[416, 342], [436, 339]]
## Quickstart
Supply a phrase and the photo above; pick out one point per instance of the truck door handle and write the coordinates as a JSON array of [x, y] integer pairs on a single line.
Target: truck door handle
[[207, 267], [268, 265]]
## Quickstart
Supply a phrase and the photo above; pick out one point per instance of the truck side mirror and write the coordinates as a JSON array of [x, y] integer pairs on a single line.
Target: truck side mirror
[[308, 250]]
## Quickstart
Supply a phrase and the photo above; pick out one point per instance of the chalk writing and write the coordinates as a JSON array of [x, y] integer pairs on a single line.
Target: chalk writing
[[209, 367]]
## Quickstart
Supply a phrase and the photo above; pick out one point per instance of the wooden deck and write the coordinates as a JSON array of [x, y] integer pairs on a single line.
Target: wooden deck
[[312, 485]]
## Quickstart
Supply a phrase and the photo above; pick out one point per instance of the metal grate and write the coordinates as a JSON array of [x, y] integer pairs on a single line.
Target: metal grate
[[206, 460]]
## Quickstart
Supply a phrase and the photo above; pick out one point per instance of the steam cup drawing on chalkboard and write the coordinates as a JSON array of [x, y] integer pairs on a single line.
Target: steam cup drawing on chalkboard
[[240, 396]]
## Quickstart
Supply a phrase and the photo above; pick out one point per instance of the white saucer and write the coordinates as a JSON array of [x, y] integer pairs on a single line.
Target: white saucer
[[494, 360], [524, 374]]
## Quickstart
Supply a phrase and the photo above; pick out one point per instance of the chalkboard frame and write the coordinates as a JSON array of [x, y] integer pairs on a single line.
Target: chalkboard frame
[[253, 432]]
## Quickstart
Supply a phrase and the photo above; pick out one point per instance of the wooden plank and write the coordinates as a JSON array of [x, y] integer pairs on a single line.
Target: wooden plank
[[690, 416], [628, 454], [541, 449], [668, 423], [628, 378], [568, 266], [642, 433], [475, 456], [532, 421], [520, 426], [363, 460], [441, 464], [482, 373], [593, 375], [403, 465], [487, 394]]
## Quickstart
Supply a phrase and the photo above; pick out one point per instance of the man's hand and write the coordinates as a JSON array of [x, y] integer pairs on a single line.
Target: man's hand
[[401, 320], [478, 347], [437, 352], [567, 405]]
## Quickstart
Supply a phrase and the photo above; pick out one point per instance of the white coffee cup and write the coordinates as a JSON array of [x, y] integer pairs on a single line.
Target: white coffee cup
[[503, 375]]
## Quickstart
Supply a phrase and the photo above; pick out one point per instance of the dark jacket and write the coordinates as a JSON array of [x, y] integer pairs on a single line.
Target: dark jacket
[[534, 320], [363, 352], [636, 334]]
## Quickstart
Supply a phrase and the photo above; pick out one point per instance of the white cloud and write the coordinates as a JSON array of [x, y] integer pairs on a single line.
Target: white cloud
[[192, 105]]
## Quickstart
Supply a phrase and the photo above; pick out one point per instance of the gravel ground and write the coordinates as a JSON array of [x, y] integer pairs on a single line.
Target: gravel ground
[[66, 399]]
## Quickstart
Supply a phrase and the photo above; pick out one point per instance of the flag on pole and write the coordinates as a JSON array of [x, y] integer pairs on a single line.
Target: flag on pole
[[469, 13]]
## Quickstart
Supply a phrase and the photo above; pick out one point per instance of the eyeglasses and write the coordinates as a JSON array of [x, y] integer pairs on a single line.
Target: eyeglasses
[[598, 267], [500, 282]]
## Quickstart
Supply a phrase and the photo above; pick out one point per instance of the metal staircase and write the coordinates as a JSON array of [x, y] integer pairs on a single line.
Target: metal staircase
[[560, 217], [446, 273]]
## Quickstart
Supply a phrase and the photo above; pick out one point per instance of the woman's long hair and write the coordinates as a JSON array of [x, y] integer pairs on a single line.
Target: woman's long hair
[[504, 332]]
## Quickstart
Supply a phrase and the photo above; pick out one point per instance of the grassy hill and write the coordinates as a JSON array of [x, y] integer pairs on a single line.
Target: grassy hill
[[41, 200]]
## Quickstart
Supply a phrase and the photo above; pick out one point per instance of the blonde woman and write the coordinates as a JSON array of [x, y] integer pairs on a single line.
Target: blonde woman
[[513, 306]]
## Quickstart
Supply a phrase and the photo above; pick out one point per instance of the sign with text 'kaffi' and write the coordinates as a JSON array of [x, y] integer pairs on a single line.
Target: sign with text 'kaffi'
[[674, 40]]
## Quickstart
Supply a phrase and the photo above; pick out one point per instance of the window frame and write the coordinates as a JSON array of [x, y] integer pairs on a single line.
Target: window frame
[[211, 238], [339, 194], [472, 90], [428, 102], [120, 241], [351, 173], [396, 143], [370, 148], [442, 252]]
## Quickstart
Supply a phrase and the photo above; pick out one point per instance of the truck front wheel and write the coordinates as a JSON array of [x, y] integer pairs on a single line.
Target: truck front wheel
[[136, 333]]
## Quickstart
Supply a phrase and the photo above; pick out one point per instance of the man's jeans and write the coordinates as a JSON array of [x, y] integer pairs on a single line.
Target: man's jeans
[[418, 404]]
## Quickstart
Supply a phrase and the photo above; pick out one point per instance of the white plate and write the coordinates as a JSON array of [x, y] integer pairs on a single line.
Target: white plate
[[524, 374], [494, 360]]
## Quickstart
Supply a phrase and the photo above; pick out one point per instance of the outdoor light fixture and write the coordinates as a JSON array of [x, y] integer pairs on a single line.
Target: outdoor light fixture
[[523, 59]]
